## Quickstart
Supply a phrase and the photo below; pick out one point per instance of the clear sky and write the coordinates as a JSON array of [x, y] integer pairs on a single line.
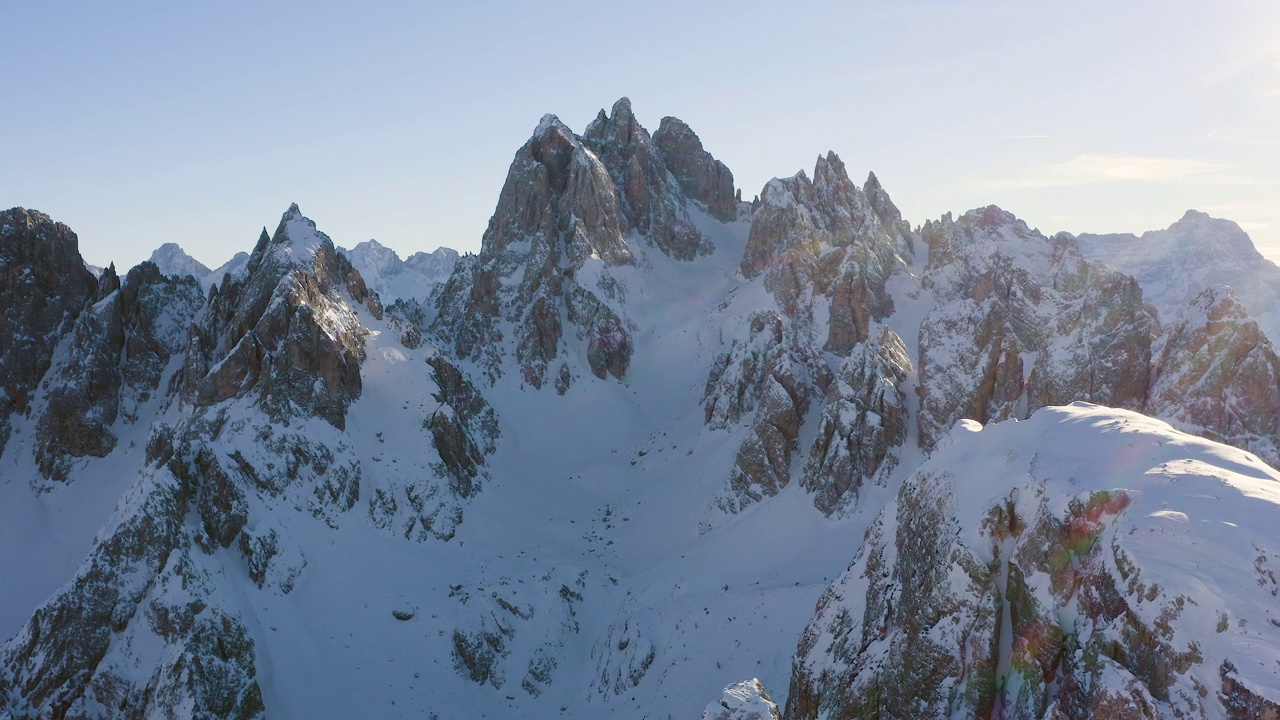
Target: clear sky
[[140, 123]]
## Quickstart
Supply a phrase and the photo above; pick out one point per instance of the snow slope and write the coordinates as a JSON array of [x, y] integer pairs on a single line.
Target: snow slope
[[1113, 564], [1192, 255], [334, 508]]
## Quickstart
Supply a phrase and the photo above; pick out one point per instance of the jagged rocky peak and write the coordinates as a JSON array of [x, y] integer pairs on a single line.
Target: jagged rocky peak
[[1023, 321], [116, 359], [1194, 254], [287, 328], [700, 176], [865, 418], [888, 213], [797, 218], [1215, 371], [652, 205], [558, 198], [1216, 239], [545, 260], [743, 701], [820, 243], [173, 260], [43, 287]]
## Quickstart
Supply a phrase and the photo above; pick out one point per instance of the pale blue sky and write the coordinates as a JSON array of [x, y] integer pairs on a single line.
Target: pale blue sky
[[139, 123]]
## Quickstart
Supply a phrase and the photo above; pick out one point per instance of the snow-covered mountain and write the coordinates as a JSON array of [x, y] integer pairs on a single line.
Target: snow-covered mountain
[[651, 450], [1195, 254], [171, 259], [394, 279]]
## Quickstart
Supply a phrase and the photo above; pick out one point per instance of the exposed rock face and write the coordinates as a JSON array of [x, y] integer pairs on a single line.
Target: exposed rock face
[[563, 221], [1193, 255], [767, 382], [1003, 583], [701, 177], [1217, 373], [1021, 322], [557, 212], [823, 239], [651, 205], [865, 417], [826, 255], [464, 428], [81, 651], [43, 288], [118, 352], [283, 330], [488, 647]]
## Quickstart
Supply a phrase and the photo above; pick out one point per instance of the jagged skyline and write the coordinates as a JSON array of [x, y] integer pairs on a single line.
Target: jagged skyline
[[199, 125]]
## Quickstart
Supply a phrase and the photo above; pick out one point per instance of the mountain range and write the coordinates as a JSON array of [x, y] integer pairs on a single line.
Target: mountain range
[[653, 451]]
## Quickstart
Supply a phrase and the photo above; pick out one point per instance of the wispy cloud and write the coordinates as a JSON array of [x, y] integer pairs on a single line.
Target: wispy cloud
[[1098, 169], [1019, 137]]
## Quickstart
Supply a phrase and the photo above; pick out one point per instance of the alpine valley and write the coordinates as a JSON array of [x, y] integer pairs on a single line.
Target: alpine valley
[[654, 449]]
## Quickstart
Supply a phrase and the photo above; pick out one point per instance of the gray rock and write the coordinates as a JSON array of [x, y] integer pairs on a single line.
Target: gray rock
[[558, 210], [701, 177], [118, 351], [284, 330], [864, 419], [1007, 294], [651, 204], [1217, 372], [822, 238], [43, 288]]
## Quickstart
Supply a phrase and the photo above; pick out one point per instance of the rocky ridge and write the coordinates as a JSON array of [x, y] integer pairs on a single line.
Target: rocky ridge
[[264, 373], [1191, 256], [1006, 583], [411, 279], [771, 381], [543, 288]]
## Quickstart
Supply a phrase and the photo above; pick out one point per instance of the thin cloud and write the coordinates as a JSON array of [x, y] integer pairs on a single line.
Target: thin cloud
[[1100, 169], [1019, 137]]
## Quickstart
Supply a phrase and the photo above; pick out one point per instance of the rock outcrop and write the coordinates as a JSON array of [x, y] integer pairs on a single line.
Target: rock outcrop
[[864, 419], [1193, 255], [541, 288], [43, 288], [824, 239], [117, 355], [135, 631], [743, 701], [765, 381], [651, 204], [411, 279], [701, 177], [1017, 576], [1218, 375], [172, 260], [285, 330], [825, 254], [1021, 321], [464, 427]]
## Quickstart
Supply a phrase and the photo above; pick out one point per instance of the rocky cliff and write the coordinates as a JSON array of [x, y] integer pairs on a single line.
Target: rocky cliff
[[795, 440]]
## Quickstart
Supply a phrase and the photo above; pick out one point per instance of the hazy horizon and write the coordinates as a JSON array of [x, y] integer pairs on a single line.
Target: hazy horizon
[[140, 125]]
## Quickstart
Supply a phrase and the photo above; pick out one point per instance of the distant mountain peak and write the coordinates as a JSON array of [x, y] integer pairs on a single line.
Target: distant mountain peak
[[172, 260]]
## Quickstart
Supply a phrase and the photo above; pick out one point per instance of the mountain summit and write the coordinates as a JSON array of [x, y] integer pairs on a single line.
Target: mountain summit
[[652, 448]]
